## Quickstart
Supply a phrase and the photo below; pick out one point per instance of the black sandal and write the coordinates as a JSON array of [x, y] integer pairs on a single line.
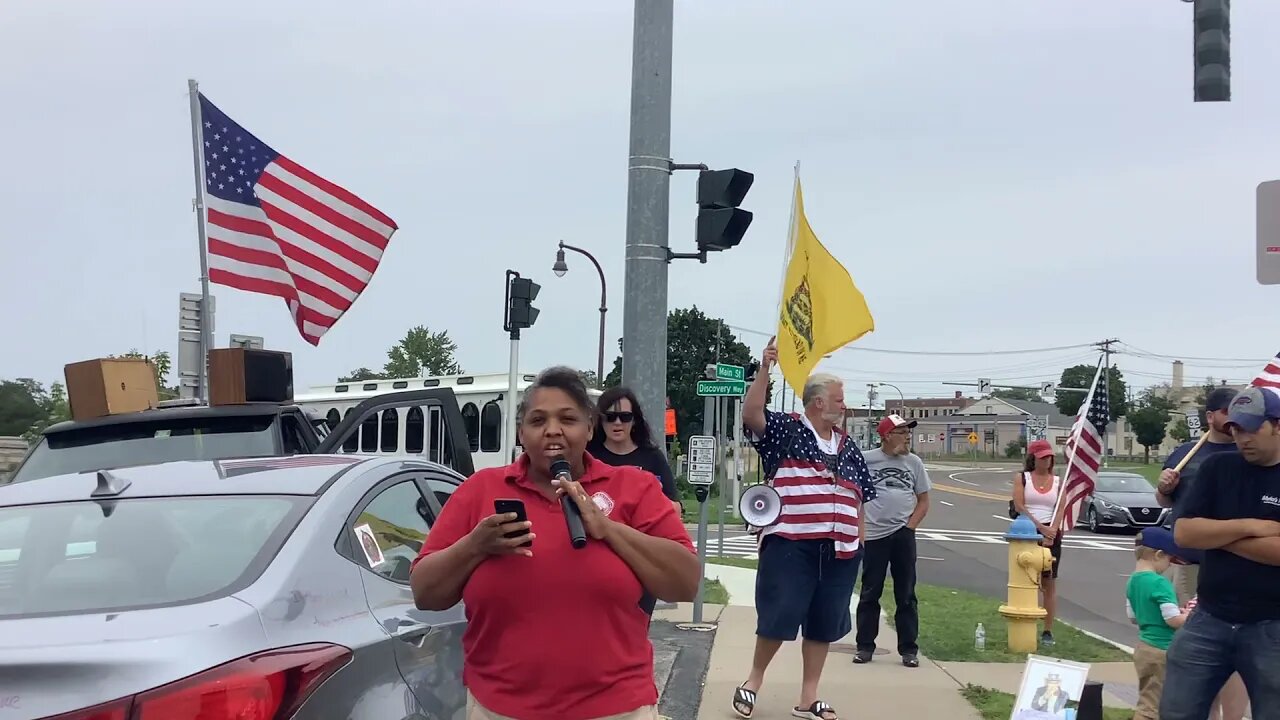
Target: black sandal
[[816, 711], [746, 698]]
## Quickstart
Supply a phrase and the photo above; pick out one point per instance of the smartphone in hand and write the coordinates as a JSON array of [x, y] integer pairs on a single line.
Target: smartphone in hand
[[504, 506]]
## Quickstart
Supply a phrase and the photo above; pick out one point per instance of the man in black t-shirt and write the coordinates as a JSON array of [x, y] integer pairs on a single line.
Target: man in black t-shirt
[[1233, 514], [1175, 487]]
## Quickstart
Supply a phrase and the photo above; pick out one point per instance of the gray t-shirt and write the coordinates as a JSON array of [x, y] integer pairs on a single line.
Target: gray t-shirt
[[898, 480]]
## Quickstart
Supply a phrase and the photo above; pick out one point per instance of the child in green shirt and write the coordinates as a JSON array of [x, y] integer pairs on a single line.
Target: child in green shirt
[[1152, 604]]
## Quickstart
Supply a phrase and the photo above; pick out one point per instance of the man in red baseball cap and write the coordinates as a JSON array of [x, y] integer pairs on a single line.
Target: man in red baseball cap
[[889, 539]]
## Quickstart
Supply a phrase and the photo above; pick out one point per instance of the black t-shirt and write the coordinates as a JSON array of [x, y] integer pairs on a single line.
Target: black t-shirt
[[651, 459], [1233, 588], [1187, 478]]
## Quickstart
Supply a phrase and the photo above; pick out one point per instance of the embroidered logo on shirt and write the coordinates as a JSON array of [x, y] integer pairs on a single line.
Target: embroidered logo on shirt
[[1270, 500], [604, 502]]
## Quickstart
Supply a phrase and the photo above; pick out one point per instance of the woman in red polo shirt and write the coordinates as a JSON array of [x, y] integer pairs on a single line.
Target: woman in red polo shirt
[[554, 632]]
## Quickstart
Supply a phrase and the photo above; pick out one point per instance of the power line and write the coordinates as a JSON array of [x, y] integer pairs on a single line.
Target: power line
[[1139, 352], [859, 348]]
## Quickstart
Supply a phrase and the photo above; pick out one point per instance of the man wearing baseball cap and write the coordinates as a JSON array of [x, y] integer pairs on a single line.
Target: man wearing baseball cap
[[1174, 486], [889, 539], [1232, 512]]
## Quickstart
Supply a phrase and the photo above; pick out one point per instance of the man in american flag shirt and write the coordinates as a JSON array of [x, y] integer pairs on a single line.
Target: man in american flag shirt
[[809, 557]]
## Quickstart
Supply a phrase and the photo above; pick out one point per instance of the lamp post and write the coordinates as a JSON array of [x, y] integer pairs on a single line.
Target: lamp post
[[560, 268]]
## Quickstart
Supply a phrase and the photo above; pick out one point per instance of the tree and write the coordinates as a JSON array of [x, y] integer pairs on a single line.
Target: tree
[[24, 404], [423, 353], [589, 377], [1017, 394], [1179, 430], [691, 346], [1150, 420], [1079, 376], [360, 375]]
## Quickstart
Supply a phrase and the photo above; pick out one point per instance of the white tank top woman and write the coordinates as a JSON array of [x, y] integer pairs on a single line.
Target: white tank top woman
[[1040, 505]]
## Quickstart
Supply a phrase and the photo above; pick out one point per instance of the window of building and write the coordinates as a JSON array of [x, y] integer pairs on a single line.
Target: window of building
[[369, 434], [390, 430]]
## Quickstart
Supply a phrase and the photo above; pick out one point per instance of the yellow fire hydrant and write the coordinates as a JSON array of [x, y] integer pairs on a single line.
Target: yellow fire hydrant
[[1027, 560]]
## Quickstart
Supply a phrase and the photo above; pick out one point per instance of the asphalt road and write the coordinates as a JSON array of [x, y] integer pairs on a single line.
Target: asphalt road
[[961, 545]]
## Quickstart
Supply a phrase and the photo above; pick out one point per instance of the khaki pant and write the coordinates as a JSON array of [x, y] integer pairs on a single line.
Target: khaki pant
[[1149, 662], [1184, 582], [476, 712]]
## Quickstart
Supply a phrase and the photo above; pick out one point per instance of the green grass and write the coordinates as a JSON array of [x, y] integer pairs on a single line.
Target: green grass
[[949, 617], [996, 705], [1150, 471], [713, 593]]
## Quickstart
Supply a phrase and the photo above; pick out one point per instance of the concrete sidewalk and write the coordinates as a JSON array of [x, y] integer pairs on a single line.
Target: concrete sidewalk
[[882, 688]]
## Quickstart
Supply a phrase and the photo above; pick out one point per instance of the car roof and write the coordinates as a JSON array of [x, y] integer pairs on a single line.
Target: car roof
[[170, 413], [292, 475]]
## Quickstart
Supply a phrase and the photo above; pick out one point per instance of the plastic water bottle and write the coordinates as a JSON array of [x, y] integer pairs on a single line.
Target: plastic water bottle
[[980, 638]]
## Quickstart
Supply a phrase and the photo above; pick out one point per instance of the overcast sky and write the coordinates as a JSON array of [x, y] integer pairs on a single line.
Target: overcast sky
[[995, 174]]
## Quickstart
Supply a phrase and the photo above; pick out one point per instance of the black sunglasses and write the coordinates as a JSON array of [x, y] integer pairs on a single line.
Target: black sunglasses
[[625, 417]]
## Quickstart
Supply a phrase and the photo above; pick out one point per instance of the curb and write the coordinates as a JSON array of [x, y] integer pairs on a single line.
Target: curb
[[1096, 636]]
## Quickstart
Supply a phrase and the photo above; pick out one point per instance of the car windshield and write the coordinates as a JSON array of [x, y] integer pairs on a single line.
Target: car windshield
[[101, 447], [1108, 482], [83, 557]]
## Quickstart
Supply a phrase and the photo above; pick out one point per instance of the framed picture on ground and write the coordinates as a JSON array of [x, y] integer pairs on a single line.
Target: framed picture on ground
[[1048, 687]]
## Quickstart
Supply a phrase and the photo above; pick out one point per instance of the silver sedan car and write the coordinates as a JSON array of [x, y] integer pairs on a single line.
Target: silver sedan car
[[256, 588]]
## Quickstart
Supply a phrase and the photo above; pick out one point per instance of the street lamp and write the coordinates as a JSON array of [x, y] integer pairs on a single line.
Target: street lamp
[[901, 398], [560, 267]]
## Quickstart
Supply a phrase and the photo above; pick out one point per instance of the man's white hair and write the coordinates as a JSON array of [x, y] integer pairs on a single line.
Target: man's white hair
[[816, 386]]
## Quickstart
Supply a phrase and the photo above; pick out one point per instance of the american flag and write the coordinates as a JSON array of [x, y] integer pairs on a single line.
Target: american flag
[[276, 228], [1270, 375], [1084, 449]]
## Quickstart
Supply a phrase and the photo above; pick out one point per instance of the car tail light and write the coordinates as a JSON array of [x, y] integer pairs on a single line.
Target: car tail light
[[270, 685]]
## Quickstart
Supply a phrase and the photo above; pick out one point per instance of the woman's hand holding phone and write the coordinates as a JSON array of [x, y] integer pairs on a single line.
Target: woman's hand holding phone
[[506, 532]]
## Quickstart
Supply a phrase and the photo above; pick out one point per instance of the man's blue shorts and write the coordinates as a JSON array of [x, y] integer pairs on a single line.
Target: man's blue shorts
[[801, 586]]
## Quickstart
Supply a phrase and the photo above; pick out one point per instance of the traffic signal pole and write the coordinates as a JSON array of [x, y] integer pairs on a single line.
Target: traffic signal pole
[[644, 309]]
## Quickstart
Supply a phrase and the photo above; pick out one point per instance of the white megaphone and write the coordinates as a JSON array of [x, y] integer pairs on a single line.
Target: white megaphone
[[760, 506]]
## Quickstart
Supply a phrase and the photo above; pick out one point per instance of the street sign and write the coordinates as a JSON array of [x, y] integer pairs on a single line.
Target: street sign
[[702, 459], [973, 438], [730, 372], [1036, 427], [1193, 424], [1047, 388], [984, 385], [721, 388], [1268, 238]]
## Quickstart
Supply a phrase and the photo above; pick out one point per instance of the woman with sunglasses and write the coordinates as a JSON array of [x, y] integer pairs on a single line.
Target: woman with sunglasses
[[622, 438]]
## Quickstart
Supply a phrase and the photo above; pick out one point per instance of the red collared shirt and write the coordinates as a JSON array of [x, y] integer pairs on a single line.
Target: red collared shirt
[[560, 635]]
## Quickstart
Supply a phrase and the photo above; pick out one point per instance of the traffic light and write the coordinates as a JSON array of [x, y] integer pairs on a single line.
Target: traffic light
[[1212, 22], [721, 223], [521, 292]]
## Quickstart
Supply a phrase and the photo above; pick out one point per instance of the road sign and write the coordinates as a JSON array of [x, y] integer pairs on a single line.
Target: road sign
[[721, 388], [1193, 424], [973, 438], [725, 371], [1268, 238], [702, 459], [1047, 388], [1036, 427], [984, 385]]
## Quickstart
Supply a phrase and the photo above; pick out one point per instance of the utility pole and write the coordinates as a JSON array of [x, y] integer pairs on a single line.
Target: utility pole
[[1105, 345], [644, 308]]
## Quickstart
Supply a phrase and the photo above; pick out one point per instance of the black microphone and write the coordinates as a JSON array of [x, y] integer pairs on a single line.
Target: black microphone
[[561, 471]]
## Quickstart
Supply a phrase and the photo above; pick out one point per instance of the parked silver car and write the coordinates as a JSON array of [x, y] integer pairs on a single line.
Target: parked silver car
[[254, 588], [1121, 500]]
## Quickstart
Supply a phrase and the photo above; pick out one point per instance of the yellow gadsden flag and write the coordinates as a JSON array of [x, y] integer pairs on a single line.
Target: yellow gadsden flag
[[822, 310]]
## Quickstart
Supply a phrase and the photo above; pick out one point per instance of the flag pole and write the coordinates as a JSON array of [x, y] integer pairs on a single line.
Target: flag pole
[[1075, 447], [206, 317], [791, 237]]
